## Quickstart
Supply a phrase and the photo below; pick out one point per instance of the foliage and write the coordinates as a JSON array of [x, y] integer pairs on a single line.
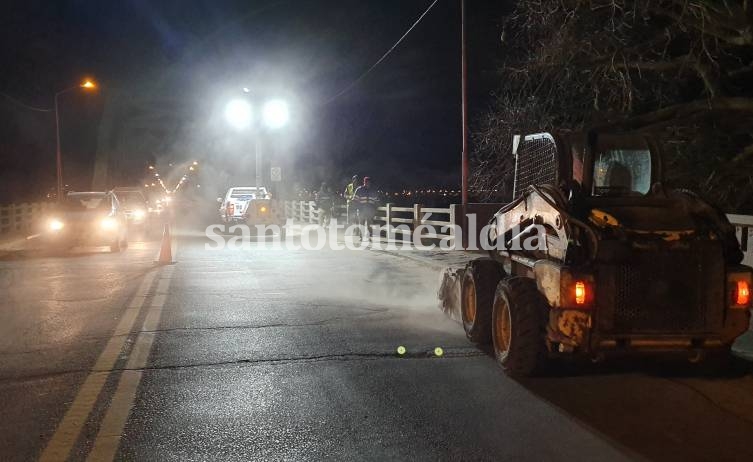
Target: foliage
[[681, 70]]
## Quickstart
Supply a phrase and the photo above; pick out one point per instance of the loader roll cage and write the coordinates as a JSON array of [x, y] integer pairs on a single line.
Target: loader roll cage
[[603, 165]]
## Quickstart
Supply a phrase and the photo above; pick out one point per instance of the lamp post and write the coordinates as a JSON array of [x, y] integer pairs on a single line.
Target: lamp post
[[86, 85], [464, 106], [274, 115]]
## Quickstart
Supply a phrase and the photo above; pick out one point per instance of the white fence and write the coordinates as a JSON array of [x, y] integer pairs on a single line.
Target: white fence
[[307, 212], [402, 220], [21, 218]]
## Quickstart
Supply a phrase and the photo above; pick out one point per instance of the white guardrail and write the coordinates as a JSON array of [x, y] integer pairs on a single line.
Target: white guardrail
[[403, 220], [306, 212]]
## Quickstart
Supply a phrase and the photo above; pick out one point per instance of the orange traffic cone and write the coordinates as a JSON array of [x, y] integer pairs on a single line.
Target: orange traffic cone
[[166, 250]]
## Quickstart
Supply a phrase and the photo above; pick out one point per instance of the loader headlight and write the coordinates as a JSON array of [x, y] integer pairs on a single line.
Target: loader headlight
[[139, 214]]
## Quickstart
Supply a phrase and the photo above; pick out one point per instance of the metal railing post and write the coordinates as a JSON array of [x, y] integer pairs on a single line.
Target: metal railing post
[[453, 223], [388, 222]]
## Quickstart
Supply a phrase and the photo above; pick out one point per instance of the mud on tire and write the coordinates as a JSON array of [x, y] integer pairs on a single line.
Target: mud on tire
[[477, 296], [522, 309]]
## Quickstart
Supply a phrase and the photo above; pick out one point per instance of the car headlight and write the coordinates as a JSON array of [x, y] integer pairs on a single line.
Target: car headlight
[[109, 223], [56, 225], [139, 214]]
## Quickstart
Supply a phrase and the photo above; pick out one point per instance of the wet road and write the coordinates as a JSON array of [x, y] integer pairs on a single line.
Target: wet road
[[290, 355]]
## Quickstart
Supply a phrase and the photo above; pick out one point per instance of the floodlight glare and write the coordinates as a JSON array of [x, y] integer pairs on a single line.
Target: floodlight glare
[[238, 114], [276, 114]]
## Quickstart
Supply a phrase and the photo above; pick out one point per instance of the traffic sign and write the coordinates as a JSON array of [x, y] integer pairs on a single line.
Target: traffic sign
[[276, 174]]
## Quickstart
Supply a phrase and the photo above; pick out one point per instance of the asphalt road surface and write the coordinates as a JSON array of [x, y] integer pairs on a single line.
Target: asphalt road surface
[[291, 355]]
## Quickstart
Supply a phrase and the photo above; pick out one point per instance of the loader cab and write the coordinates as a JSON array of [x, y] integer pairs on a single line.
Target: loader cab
[[590, 165], [617, 166]]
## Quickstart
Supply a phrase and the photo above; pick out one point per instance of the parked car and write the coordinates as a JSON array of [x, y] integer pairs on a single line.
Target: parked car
[[235, 206], [88, 218], [250, 205]]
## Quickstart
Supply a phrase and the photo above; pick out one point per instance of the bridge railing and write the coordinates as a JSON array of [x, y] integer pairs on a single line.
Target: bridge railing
[[22, 218], [412, 217], [402, 220]]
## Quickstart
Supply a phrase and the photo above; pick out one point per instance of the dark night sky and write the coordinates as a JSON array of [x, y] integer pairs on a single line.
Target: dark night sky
[[401, 124]]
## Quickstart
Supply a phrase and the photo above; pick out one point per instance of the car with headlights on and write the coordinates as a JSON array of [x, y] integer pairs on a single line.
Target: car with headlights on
[[88, 219], [134, 205]]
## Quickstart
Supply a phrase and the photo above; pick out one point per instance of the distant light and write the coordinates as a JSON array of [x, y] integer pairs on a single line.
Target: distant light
[[438, 351], [191, 168], [276, 113], [151, 167], [246, 90], [89, 85], [195, 163], [238, 114], [401, 350], [198, 186]]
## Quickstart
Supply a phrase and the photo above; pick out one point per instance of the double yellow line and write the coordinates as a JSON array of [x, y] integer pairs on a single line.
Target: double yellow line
[[111, 428]]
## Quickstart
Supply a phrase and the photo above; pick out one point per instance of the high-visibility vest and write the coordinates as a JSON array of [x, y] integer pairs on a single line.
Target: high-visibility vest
[[350, 191]]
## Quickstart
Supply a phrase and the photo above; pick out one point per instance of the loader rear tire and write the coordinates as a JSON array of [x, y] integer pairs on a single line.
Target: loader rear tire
[[519, 327], [477, 295]]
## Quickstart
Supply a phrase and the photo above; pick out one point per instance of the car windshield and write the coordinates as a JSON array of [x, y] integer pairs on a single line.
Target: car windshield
[[130, 199], [247, 194], [622, 172], [87, 202]]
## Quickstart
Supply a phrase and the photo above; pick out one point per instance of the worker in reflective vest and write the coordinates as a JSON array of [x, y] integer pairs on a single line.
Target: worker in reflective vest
[[367, 201], [350, 191]]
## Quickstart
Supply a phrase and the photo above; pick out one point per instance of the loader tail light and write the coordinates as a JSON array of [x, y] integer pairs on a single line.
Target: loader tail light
[[742, 294], [580, 293]]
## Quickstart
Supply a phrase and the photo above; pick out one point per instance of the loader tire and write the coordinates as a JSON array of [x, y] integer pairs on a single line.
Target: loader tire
[[477, 295], [519, 327]]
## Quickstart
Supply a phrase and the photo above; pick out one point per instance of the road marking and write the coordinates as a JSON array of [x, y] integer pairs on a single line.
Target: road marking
[[151, 322], [110, 432], [69, 428], [108, 438]]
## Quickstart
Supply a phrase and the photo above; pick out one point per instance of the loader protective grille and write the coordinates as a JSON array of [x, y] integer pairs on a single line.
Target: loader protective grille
[[536, 163], [663, 292]]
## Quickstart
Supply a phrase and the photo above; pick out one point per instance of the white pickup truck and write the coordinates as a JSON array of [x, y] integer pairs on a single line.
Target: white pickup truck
[[251, 206]]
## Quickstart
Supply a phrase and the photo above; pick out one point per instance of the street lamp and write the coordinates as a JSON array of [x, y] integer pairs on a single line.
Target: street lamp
[[86, 85], [275, 114], [238, 114]]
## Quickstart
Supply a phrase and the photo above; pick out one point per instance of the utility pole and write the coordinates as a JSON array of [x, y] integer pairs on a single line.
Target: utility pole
[[258, 158], [464, 90], [58, 157]]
